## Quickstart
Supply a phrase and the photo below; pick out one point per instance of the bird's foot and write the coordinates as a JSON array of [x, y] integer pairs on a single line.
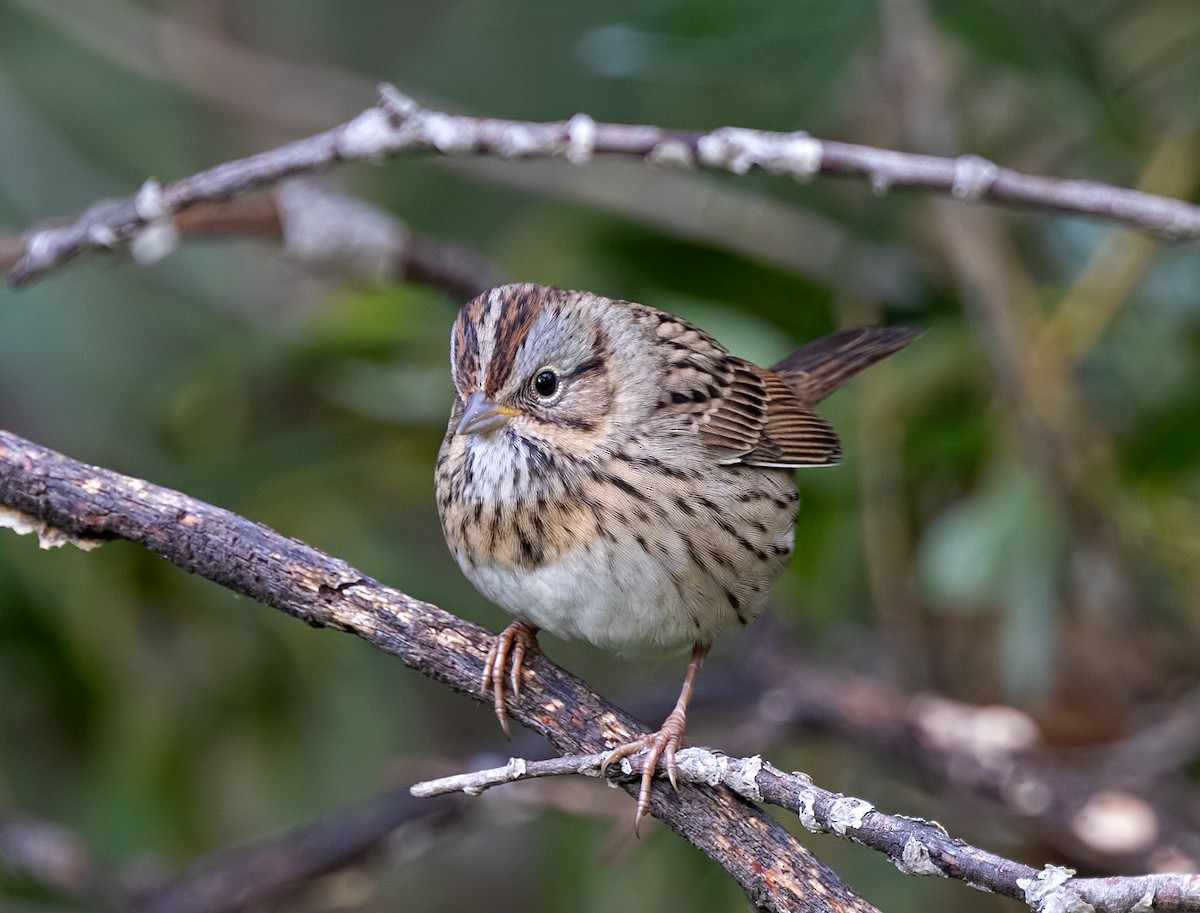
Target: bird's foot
[[507, 654], [662, 746]]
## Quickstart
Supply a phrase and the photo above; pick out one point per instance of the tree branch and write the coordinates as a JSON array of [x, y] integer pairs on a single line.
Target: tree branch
[[1100, 818], [398, 125], [322, 230], [913, 845], [64, 500]]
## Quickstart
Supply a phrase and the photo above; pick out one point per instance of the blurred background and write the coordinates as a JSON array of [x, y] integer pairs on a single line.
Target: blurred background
[[1016, 523]]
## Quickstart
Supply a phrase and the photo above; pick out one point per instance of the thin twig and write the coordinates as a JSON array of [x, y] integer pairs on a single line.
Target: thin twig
[[281, 95], [398, 125], [1095, 816], [913, 845], [475, 782], [323, 230]]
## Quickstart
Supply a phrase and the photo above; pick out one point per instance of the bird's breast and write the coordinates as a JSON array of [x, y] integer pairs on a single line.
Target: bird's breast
[[627, 552]]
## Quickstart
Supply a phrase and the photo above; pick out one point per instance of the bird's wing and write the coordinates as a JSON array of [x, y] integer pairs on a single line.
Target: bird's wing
[[757, 420]]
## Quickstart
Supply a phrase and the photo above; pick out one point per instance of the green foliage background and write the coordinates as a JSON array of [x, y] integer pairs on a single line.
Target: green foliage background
[[164, 718]]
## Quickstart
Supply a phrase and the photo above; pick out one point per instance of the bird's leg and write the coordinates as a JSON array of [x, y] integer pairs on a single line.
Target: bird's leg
[[508, 652], [662, 744]]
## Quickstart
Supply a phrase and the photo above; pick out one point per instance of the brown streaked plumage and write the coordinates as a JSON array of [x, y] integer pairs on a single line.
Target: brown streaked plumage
[[612, 473]]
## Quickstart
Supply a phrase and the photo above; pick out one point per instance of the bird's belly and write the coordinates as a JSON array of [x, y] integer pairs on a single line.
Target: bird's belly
[[626, 595], [617, 599]]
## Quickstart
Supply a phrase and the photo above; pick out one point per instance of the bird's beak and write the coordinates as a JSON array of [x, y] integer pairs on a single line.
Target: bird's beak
[[482, 416]]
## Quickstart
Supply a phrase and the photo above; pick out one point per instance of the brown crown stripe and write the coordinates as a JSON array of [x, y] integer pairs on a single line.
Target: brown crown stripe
[[520, 306], [466, 343]]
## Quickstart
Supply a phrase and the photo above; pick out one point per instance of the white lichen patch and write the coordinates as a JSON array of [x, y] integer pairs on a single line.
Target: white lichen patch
[[41, 244], [743, 778], [806, 810], [100, 235], [672, 153], [848, 812], [517, 141], [698, 765], [446, 133], [48, 536], [799, 155], [150, 204], [1048, 893], [738, 150], [733, 148], [396, 101], [516, 768], [154, 242], [369, 135], [581, 139], [973, 177], [915, 859]]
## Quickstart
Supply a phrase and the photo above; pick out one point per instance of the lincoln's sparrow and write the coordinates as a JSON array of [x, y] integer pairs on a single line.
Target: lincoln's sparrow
[[610, 472]]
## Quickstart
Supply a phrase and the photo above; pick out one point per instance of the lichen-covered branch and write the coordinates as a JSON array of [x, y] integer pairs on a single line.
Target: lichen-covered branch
[[914, 846], [1110, 817], [63, 500], [400, 126]]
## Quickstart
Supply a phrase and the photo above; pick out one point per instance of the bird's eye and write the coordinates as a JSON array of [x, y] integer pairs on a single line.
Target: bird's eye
[[545, 383]]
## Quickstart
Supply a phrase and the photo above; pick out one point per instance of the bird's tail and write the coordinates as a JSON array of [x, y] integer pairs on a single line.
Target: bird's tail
[[817, 369]]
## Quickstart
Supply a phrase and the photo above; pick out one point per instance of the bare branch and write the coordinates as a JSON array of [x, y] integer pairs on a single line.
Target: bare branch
[[87, 503], [285, 96], [323, 230], [398, 125]]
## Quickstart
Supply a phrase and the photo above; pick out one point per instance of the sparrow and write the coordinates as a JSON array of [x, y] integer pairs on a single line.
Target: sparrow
[[612, 473]]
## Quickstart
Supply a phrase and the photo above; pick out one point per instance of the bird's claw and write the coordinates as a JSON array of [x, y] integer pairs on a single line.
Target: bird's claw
[[660, 745], [507, 653]]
